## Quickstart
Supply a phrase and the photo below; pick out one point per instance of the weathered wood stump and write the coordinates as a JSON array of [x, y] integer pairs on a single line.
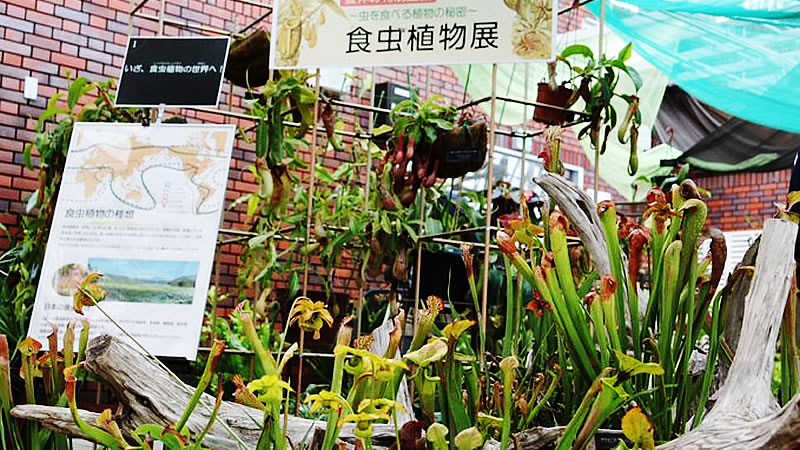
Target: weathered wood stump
[[582, 214], [746, 414], [150, 394]]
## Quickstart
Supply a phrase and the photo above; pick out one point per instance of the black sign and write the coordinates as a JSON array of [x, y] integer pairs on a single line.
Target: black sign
[[172, 71]]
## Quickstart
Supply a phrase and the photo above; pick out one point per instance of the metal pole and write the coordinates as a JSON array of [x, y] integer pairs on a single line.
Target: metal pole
[[309, 219], [488, 237], [599, 55]]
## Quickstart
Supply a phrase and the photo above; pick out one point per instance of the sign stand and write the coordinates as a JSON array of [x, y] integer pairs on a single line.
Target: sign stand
[[160, 114]]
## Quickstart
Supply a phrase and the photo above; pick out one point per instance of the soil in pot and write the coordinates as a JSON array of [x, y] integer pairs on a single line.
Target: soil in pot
[[461, 150], [558, 97], [248, 61]]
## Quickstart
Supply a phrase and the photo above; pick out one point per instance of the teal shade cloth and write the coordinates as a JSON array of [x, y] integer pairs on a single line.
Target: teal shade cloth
[[740, 56]]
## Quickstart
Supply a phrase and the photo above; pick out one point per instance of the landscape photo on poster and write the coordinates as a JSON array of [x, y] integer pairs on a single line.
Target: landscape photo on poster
[[145, 281]]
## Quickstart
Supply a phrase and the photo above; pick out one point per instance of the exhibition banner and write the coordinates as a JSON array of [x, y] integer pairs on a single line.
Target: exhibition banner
[[368, 33], [141, 206]]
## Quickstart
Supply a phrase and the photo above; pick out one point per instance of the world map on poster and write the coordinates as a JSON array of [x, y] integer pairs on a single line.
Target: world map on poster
[[164, 169]]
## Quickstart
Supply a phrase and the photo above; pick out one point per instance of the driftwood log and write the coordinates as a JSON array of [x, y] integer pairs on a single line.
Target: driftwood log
[[150, 394], [582, 214]]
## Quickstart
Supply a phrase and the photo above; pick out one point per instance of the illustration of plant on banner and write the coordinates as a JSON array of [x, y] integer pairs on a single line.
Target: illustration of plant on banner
[[397, 32]]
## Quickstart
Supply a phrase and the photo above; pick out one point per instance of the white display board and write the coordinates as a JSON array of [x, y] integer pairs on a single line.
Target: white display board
[[368, 33], [141, 206]]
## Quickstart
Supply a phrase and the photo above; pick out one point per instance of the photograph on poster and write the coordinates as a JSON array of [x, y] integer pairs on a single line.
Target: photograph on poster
[[143, 281], [68, 277]]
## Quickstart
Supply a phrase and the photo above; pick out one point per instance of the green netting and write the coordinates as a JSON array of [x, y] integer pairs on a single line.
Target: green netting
[[740, 56]]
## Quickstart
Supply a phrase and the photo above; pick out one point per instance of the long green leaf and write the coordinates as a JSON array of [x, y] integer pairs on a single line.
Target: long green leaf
[[577, 49]]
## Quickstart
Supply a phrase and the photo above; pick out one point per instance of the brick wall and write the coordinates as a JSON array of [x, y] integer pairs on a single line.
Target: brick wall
[[48, 39], [744, 201]]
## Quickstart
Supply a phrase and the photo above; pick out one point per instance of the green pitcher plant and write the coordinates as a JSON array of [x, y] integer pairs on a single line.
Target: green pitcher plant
[[596, 316]]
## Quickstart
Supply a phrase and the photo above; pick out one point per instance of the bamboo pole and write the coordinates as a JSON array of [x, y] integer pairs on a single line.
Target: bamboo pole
[[161, 9], [309, 223], [367, 170], [487, 238], [418, 269], [523, 182], [597, 144]]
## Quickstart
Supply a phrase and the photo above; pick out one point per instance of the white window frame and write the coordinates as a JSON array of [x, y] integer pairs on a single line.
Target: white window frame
[[476, 181]]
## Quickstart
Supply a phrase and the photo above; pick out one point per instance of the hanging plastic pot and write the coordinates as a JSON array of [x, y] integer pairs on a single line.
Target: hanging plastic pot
[[559, 98], [248, 61], [461, 150]]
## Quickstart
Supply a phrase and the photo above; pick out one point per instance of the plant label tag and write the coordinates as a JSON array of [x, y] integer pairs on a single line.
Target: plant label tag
[[464, 155]]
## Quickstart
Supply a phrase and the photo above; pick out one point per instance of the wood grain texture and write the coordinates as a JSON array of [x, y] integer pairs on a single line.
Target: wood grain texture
[[582, 214], [746, 414], [150, 394]]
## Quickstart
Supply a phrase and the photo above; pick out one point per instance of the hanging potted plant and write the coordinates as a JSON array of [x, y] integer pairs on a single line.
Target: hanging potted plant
[[595, 81], [558, 96], [436, 142], [555, 95], [463, 149], [276, 162]]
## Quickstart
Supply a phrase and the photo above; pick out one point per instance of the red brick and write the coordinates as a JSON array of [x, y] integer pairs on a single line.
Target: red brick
[[30, 4], [98, 22], [72, 27], [9, 194], [45, 7], [12, 84], [5, 181], [40, 54], [69, 61], [16, 11], [45, 19], [120, 5], [12, 59], [14, 35], [94, 67], [25, 184], [69, 49]]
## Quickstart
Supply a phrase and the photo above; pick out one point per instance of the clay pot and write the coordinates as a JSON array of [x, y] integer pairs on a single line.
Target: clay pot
[[559, 97]]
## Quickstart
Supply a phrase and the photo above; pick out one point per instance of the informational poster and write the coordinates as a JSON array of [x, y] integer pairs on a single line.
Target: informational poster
[[141, 206], [368, 33]]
